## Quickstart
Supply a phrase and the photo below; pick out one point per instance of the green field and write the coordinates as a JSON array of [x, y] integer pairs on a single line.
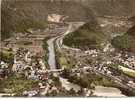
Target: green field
[[7, 56], [127, 71], [16, 84], [123, 69], [63, 62]]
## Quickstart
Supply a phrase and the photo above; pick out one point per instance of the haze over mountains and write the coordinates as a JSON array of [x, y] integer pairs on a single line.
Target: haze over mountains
[[20, 15]]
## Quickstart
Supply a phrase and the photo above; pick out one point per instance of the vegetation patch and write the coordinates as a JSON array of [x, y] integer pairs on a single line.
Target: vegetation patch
[[123, 68], [17, 21], [16, 84], [89, 80], [85, 37], [45, 47], [7, 56], [125, 42], [127, 71], [63, 62]]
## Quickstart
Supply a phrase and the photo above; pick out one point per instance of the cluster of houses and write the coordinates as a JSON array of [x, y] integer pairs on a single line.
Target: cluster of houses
[[105, 60], [25, 60], [32, 66], [42, 89], [126, 59]]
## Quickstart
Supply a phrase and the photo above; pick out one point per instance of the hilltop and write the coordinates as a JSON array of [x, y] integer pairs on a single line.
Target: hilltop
[[88, 36], [126, 42]]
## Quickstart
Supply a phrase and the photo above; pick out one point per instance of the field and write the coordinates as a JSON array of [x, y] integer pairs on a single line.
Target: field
[[127, 71]]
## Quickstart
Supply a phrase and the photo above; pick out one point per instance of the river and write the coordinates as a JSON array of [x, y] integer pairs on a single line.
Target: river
[[51, 59], [52, 63]]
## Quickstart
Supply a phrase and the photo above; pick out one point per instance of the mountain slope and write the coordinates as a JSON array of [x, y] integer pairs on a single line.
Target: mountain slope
[[88, 36], [18, 16], [112, 7], [126, 42]]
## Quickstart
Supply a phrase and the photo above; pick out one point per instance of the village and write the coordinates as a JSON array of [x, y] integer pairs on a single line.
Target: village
[[27, 61]]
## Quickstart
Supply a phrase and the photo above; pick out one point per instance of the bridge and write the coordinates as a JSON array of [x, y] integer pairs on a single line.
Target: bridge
[[52, 71]]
